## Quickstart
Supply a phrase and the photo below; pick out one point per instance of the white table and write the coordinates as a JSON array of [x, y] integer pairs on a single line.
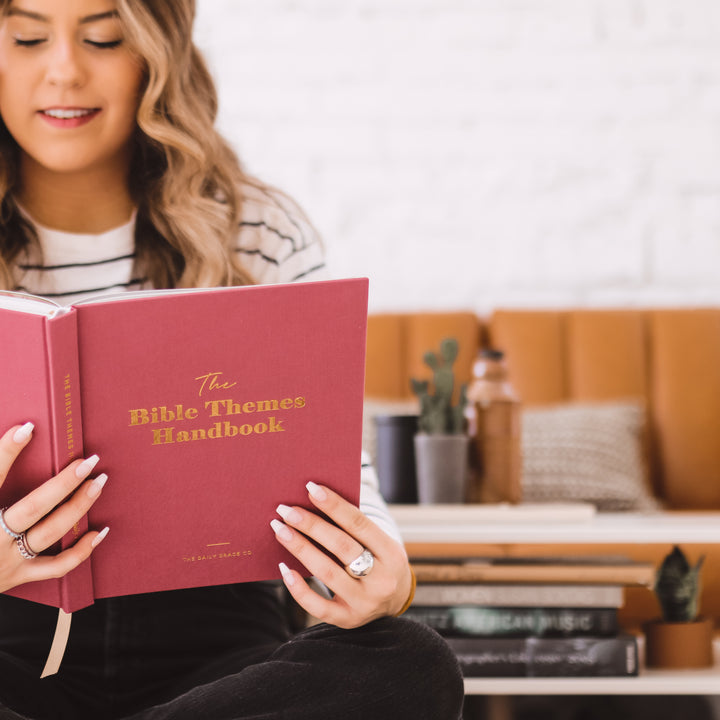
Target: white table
[[447, 524]]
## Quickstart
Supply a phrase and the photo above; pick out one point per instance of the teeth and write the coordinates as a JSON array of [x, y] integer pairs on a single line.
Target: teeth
[[67, 114]]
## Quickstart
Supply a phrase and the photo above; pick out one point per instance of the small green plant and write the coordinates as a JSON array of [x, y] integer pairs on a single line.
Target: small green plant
[[438, 415], [677, 587]]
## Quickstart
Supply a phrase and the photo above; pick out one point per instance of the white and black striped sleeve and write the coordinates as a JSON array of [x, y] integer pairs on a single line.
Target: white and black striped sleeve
[[276, 242]]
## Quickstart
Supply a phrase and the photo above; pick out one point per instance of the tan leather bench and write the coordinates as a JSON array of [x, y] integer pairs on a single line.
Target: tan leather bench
[[669, 358]]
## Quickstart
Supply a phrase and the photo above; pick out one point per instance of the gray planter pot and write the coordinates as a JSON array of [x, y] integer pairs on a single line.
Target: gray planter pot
[[441, 463]]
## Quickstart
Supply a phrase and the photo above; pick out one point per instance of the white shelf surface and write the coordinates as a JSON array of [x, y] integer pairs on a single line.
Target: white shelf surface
[[551, 524], [648, 682]]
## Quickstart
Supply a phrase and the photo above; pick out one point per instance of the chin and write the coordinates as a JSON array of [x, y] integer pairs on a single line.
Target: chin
[[71, 164]]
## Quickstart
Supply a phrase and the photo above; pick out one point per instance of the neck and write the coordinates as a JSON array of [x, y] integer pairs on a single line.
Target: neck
[[84, 203]]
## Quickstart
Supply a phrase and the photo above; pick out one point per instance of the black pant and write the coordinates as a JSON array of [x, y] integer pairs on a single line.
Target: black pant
[[220, 654]]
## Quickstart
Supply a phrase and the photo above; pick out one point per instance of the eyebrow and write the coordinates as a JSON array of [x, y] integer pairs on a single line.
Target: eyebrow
[[14, 11]]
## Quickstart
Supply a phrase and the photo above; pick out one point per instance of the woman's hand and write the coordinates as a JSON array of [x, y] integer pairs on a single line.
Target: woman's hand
[[357, 601], [44, 516]]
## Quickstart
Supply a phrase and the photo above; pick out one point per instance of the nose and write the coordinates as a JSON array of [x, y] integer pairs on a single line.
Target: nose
[[65, 67]]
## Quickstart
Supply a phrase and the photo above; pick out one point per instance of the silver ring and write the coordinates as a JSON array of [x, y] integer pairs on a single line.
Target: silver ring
[[25, 550], [361, 565], [14, 535]]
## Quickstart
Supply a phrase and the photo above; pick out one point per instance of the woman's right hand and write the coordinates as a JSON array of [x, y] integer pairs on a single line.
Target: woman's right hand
[[45, 515]]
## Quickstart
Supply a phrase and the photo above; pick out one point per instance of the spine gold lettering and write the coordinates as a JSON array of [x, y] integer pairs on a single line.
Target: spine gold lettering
[[68, 408]]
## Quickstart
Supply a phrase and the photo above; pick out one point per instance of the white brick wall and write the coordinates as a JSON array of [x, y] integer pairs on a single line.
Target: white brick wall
[[476, 153]]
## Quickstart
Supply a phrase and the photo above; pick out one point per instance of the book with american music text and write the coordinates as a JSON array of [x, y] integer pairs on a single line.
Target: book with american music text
[[488, 621], [207, 409]]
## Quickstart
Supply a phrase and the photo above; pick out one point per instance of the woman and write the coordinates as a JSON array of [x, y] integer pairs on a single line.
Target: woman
[[112, 176]]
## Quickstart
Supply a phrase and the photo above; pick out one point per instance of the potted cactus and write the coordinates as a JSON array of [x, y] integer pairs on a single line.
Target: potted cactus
[[681, 638], [441, 444]]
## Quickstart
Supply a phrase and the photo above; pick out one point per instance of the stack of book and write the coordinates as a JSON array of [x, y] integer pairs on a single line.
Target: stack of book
[[531, 617]]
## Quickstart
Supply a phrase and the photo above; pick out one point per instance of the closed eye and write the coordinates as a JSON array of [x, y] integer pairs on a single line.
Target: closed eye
[[109, 45], [19, 42]]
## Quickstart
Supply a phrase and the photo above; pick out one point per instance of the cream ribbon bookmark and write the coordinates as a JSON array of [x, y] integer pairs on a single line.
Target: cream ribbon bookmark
[[59, 643]]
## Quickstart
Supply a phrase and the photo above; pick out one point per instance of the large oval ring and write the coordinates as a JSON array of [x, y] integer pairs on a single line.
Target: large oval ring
[[25, 550], [361, 565], [14, 535]]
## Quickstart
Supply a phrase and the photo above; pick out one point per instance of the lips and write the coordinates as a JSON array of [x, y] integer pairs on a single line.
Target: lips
[[67, 113], [68, 117]]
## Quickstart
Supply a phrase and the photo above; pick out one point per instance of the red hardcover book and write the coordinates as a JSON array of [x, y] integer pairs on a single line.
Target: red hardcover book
[[207, 408]]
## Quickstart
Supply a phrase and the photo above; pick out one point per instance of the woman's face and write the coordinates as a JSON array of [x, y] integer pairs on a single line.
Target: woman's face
[[69, 85]]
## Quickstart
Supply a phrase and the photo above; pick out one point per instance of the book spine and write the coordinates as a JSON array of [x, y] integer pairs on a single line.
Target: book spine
[[627, 574], [547, 657], [519, 595], [76, 588], [516, 622]]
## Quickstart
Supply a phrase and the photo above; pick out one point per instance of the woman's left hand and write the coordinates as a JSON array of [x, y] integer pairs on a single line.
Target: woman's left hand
[[357, 601]]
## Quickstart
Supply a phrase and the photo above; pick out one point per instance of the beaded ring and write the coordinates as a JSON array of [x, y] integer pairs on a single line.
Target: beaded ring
[[14, 535], [25, 550]]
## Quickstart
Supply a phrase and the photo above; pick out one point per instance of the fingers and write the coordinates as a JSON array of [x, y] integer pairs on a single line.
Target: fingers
[[52, 528], [349, 518], [31, 509], [314, 541], [11, 444], [352, 533], [44, 516], [344, 547], [335, 611], [321, 565], [355, 601], [346, 540], [55, 566]]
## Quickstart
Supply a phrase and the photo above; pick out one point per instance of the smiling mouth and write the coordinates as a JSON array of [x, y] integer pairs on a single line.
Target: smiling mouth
[[69, 113]]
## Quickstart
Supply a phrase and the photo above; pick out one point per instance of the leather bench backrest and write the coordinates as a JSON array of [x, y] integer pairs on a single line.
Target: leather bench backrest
[[668, 358], [685, 356], [396, 344]]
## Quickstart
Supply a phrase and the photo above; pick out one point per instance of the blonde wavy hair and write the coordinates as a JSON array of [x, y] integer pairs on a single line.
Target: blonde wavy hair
[[185, 179]]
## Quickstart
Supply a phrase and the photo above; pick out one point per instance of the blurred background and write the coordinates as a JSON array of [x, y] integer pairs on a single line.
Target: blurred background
[[475, 154], [482, 153]]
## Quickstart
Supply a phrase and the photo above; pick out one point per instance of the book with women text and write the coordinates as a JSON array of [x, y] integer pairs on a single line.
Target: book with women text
[[207, 409], [519, 594]]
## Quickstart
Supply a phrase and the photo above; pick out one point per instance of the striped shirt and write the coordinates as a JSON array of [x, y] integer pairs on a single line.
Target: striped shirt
[[276, 243]]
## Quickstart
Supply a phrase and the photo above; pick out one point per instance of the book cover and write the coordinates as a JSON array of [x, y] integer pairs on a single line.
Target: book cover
[[207, 409], [519, 595], [547, 657], [478, 621], [533, 570]]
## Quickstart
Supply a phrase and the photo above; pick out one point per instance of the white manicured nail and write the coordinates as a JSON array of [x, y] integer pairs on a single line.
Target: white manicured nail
[[86, 466], [100, 537], [288, 514], [316, 491], [97, 485], [23, 433], [281, 530], [286, 573]]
